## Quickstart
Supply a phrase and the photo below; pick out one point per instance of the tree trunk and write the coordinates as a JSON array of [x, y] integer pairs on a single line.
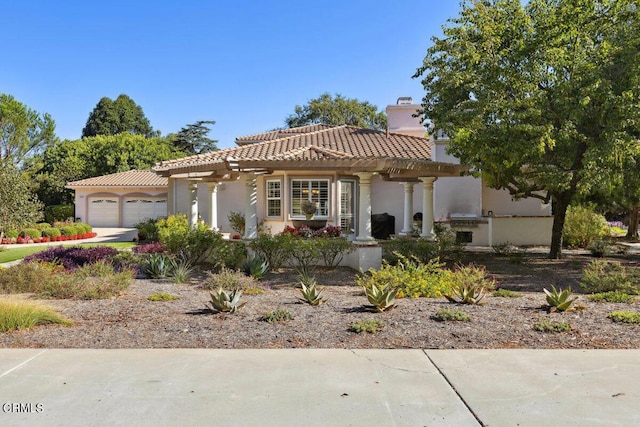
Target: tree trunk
[[559, 215], [634, 217]]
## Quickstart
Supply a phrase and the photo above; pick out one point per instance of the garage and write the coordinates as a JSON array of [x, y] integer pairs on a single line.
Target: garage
[[104, 212], [138, 209]]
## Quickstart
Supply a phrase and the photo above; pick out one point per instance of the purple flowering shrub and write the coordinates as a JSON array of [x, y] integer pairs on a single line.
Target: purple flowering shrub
[[305, 231], [73, 257], [150, 248]]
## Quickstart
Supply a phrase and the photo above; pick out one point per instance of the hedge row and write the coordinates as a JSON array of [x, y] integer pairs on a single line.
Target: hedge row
[[44, 232]]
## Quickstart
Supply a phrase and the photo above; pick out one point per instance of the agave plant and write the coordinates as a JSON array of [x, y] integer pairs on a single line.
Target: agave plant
[[221, 301], [466, 294], [383, 297], [159, 265], [558, 300], [255, 267], [311, 294]]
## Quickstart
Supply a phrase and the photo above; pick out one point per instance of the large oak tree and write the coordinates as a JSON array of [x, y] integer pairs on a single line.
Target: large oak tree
[[534, 96], [337, 110]]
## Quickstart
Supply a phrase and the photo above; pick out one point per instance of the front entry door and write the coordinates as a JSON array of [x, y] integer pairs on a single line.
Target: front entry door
[[347, 195]]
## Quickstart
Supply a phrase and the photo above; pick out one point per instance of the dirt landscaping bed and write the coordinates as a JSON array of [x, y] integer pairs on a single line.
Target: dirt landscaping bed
[[132, 321]]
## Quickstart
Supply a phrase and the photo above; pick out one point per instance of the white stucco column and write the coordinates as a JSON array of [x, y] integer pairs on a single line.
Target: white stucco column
[[427, 207], [408, 208], [364, 207], [193, 203], [171, 196], [213, 205], [251, 208]]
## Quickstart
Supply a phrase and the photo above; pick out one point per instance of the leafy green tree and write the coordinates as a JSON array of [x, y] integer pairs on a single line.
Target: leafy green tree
[[114, 117], [18, 205], [531, 96], [337, 111], [194, 139], [23, 131], [72, 160]]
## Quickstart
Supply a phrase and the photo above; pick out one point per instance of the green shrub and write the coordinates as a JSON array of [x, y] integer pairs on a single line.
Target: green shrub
[[26, 276], [277, 315], [601, 248], [331, 250], [506, 293], [444, 315], [48, 280], [305, 255], [275, 249], [32, 233], [606, 276], [236, 221], [366, 325], [546, 325], [445, 247], [125, 260], [23, 315], [51, 232], [411, 278], [69, 230], [624, 317], [199, 244], [612, 296], [583, 226], [42, 226], [161, 296], [12, 234], [58, 213], [228, 279], [148, 230]]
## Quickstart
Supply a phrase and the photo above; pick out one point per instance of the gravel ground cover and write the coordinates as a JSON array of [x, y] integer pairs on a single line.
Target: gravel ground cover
[[132, 321]]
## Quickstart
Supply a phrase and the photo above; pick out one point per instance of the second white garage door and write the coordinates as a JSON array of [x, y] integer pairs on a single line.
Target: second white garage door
[[137, 209]]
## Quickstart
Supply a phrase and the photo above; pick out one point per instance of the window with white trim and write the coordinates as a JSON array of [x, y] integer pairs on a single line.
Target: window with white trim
[[315, 190], [274, 197]]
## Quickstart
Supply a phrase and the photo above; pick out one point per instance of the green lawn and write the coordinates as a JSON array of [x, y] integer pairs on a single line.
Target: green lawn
[[15, 252]]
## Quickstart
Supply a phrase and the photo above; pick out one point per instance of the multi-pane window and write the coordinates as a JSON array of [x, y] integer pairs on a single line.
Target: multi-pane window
[[315, 190], [274, 198]]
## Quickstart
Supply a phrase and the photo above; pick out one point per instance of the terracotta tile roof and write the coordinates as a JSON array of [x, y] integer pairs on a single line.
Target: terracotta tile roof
[[339, 142], [280, 133], [132, 178]]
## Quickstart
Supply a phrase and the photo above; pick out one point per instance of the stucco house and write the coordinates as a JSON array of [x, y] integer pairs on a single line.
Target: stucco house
[[348, 172]]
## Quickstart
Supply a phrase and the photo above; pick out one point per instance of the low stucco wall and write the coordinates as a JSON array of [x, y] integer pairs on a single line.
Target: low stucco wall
[[518, 230]]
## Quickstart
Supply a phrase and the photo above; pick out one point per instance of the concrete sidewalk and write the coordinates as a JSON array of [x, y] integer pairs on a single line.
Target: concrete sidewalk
[[319, 387]]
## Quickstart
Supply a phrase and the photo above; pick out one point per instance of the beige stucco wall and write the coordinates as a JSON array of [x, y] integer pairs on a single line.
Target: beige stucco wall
[[521, 230]]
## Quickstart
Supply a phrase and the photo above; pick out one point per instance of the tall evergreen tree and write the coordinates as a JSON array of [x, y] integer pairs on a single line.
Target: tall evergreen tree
[[193, 138], [114, 117]]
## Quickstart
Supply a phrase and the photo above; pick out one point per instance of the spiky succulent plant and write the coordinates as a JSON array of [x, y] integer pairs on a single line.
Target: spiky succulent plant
[[383, 298], [311, 294], [221, 301], [558, 300]]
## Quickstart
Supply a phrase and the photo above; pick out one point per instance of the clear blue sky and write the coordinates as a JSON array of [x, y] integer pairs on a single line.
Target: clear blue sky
[[245, 64]]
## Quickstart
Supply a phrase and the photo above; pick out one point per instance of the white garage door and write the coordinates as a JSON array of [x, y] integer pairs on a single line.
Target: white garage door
[[137, 209], [103, 211]]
